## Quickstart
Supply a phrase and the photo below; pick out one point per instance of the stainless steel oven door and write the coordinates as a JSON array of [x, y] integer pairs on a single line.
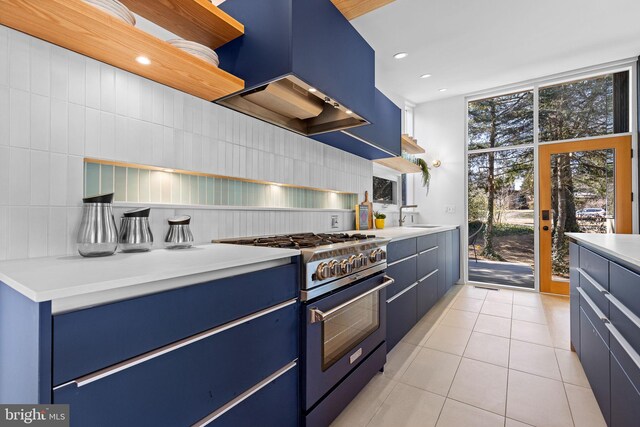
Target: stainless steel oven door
[[341, 330]]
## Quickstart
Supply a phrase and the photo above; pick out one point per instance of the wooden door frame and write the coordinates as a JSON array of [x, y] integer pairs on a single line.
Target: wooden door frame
[[623, 204]]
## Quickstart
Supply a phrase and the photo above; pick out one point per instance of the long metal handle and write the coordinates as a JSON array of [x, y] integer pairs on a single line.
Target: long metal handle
[[319, 316], [591, 280], [593, 306], [633, 355], [244, 396], [429, 250], [402, 292], [635, 319], [87, 379]]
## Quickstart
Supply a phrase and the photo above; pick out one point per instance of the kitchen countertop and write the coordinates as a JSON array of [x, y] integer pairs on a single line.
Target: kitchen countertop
[[624, 247], [406, 232], [74, 281]]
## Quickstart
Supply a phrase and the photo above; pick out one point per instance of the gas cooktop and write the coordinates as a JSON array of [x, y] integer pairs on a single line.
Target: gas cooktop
[[300, 240]]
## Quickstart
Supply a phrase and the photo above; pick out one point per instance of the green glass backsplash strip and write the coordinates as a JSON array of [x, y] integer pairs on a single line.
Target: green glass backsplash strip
[[141, 185]]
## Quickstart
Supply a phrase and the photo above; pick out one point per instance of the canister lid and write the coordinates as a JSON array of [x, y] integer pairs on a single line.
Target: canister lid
[[180, 220], [100, 198], [137, 213]]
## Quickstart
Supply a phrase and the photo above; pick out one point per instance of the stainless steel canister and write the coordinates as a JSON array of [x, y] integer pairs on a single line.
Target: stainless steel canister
[[98, 235], [135, 232], [179, 235]]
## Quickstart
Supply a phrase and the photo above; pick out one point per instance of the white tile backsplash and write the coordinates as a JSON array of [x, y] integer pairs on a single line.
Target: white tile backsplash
[[57, 106]]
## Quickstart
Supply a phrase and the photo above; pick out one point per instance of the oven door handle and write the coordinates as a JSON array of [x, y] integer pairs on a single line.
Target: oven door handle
[[320, 316]]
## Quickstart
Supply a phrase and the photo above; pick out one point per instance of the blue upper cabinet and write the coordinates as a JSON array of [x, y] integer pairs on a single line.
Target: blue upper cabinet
[[290, 47], [381, 139]]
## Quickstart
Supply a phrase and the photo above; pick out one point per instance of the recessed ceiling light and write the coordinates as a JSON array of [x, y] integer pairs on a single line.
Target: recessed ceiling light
[[143, 60], [425, 76], [444, 89], [313, 89], [400, 55], [349, 112]]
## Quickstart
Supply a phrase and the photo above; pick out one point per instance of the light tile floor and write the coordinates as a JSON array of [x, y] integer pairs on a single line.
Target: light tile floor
[[481, 358]]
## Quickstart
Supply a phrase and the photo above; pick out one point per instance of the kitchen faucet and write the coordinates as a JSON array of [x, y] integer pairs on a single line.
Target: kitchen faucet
[[401, 220]]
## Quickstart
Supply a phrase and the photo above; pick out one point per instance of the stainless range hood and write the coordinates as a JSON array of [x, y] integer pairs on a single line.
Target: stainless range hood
[[305, 67]]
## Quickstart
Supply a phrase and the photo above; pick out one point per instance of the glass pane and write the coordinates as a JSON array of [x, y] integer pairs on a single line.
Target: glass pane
[[501, 121], [347, 327], [584, 108], [501, 211], [582, 200]]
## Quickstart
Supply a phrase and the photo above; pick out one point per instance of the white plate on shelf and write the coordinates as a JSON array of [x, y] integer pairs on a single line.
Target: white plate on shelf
[[114, 8], [196, 49]]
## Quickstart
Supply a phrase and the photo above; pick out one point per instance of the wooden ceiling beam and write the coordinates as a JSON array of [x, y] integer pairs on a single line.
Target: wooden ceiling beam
[[351, 9]]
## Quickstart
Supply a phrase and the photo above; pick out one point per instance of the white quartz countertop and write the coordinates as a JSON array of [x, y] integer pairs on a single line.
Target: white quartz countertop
[[51, 278], [399, 233], [625, 247]]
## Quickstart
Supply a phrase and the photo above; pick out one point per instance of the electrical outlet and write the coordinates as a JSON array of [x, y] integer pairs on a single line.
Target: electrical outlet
[[334, 221], [450, 209]]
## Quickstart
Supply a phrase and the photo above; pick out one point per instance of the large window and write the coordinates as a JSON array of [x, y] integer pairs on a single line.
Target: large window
[[501, 146]]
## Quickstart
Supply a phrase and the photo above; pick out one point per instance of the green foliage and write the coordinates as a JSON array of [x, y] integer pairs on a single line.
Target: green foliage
[[379, 215], [426, 173], [477, 207]]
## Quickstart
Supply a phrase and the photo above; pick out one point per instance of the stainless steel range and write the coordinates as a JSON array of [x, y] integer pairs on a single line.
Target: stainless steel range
[[343, 292]]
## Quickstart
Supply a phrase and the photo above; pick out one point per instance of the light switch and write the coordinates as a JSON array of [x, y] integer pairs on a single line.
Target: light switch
[[334, 221], [450, 209]]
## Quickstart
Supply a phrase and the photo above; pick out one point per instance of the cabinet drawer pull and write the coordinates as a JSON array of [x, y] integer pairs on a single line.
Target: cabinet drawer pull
[[402, 260], [593, 306], [404, 291], [106, 372], [633, 355], [620, 306], [592, 281], [320, 316], [428, 275], [244, 396], [429, 250]]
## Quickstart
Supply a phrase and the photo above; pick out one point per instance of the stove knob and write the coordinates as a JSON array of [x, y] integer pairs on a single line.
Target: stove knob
[[323, 271], [334, 268], [382, 254], [346, 266], [373, 255], [357, 261]]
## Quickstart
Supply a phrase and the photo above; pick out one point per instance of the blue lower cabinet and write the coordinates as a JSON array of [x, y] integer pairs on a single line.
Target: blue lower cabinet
[[625, 388], [443, 286], [274, 405], [428, 261], [401, 249], [191, 378], [427, 293], [594, 355], [404, 274], [574, 296], [401, 315], [455, 256]]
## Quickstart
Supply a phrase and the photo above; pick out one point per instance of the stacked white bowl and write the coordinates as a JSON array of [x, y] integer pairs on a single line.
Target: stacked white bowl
[[196, 49], [114, 8]]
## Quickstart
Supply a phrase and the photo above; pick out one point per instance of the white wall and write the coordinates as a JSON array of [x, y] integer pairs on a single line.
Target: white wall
[[440, 129], [57, 107]]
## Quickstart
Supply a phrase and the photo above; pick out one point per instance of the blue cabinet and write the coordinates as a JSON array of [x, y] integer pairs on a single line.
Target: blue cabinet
[[605, 331], [425, 268], [190, 379], [402, 315], [378, 140]]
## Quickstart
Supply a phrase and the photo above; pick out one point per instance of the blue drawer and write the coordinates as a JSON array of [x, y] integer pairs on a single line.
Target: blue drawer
[[274, 405], [594, 355], [401, 315], [188, 382], [625, 386], [587, 307], [427, 261], [427, 293], [574, 296], [596, 266], [401, 249], [87, 340], [594, 290], [427, 242], [404, 274], [624, 304]]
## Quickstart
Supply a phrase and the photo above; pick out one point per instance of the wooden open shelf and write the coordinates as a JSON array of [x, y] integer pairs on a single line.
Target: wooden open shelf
[[400, 164], [195, 20], [410, 145], [80, 27]]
